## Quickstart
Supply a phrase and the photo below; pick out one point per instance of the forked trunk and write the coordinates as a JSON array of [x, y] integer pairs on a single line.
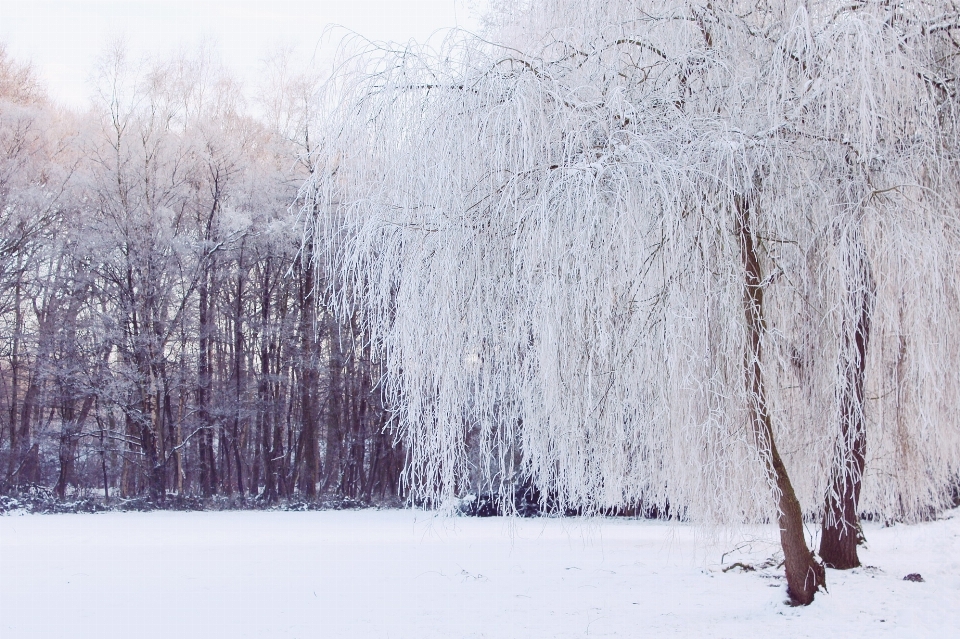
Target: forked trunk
[[804, 574], [841, 533]]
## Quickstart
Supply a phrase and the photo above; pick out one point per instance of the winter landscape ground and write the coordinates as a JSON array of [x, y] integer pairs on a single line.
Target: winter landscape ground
[[406, 573]]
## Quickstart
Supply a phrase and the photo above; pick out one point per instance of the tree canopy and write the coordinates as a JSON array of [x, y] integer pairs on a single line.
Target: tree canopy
[[539, 231]]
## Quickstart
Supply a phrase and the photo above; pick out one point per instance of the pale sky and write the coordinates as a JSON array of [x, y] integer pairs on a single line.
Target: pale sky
[[63, 38]]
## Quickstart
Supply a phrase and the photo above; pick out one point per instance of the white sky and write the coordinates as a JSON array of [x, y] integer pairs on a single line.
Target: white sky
[[63, 38]]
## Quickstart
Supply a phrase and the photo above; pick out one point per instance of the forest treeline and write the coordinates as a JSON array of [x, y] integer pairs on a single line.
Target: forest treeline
[[159, 328]]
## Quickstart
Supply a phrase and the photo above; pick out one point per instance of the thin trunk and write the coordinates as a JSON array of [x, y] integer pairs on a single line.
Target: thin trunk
[[128, 471], [288, 471], [841, 532], [103, 459], [171, 432], [26, 465], [309, 380], [264, 393], [238, 356], [804, 574], [277, 470], [72, 426], [335, 401], [67, 450], [205, 440], [254, 482], [283, 403], [15, 376], [178, 471]]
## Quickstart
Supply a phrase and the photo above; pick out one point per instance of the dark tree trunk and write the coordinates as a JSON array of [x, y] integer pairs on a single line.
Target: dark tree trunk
[[208, 480], [841, 532], [103, 458], [148, 418], [334, 418], [171, 438], [15, 381], [224, 454], [69, 436], [276, 466], [354, 465], [128, 471], [26, 468], [179, 472], [154, 465], [238, 355], [264, 410], [804, 574], [25, 458], [282, 390], [309, 377], [66, 454]]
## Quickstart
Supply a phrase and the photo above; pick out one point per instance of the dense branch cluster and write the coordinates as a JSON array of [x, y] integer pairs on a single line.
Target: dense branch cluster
[[550, 244], [158, 330]]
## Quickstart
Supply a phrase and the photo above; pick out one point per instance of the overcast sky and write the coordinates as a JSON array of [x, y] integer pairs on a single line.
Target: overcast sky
[[63, 38]]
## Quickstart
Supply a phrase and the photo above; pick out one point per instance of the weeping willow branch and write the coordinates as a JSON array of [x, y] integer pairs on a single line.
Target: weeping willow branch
[[550, 264]]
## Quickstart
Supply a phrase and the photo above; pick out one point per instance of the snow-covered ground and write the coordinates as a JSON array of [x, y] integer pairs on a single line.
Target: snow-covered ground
[[415, 574]]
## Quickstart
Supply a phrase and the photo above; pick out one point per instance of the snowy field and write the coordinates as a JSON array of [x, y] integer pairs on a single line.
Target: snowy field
[[414, 574]]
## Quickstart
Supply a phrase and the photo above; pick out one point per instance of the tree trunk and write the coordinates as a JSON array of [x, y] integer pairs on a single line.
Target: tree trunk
[[24, 452], [804, 574], [265, 394], [148, 419], [154, 465], [15, 379], [179, 473], [334, 419], [208, 481], [103, 457], [25, 463], [238, 355], [69, 436], [128, 470], [309, 376], [841, 532]]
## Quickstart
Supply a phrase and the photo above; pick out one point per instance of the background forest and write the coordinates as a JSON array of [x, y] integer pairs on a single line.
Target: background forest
[[159, 331]]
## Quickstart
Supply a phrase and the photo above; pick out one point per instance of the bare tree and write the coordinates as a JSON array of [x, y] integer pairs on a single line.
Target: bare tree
[[35, 166], [161, 326]]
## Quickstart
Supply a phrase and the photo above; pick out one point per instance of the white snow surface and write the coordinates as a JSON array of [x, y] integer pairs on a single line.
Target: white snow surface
[[408, 573]]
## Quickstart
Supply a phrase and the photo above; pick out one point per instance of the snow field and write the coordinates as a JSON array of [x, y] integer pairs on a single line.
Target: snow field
[[393, 574]]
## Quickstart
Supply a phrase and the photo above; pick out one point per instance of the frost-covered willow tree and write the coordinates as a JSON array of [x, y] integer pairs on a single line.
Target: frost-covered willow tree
[[665, 254]]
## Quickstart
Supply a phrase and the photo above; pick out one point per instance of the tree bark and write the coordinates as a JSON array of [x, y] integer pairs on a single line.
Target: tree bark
[[238, 357], [15, 378], [841, 532], [69, 435], [336, 396], [208, 481], [265, 393], [128, 471], [309, 377], [804, 574], [147, 419], [26, 467]]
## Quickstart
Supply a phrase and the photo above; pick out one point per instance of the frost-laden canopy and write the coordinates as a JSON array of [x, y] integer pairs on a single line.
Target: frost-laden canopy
[[540, 240]]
